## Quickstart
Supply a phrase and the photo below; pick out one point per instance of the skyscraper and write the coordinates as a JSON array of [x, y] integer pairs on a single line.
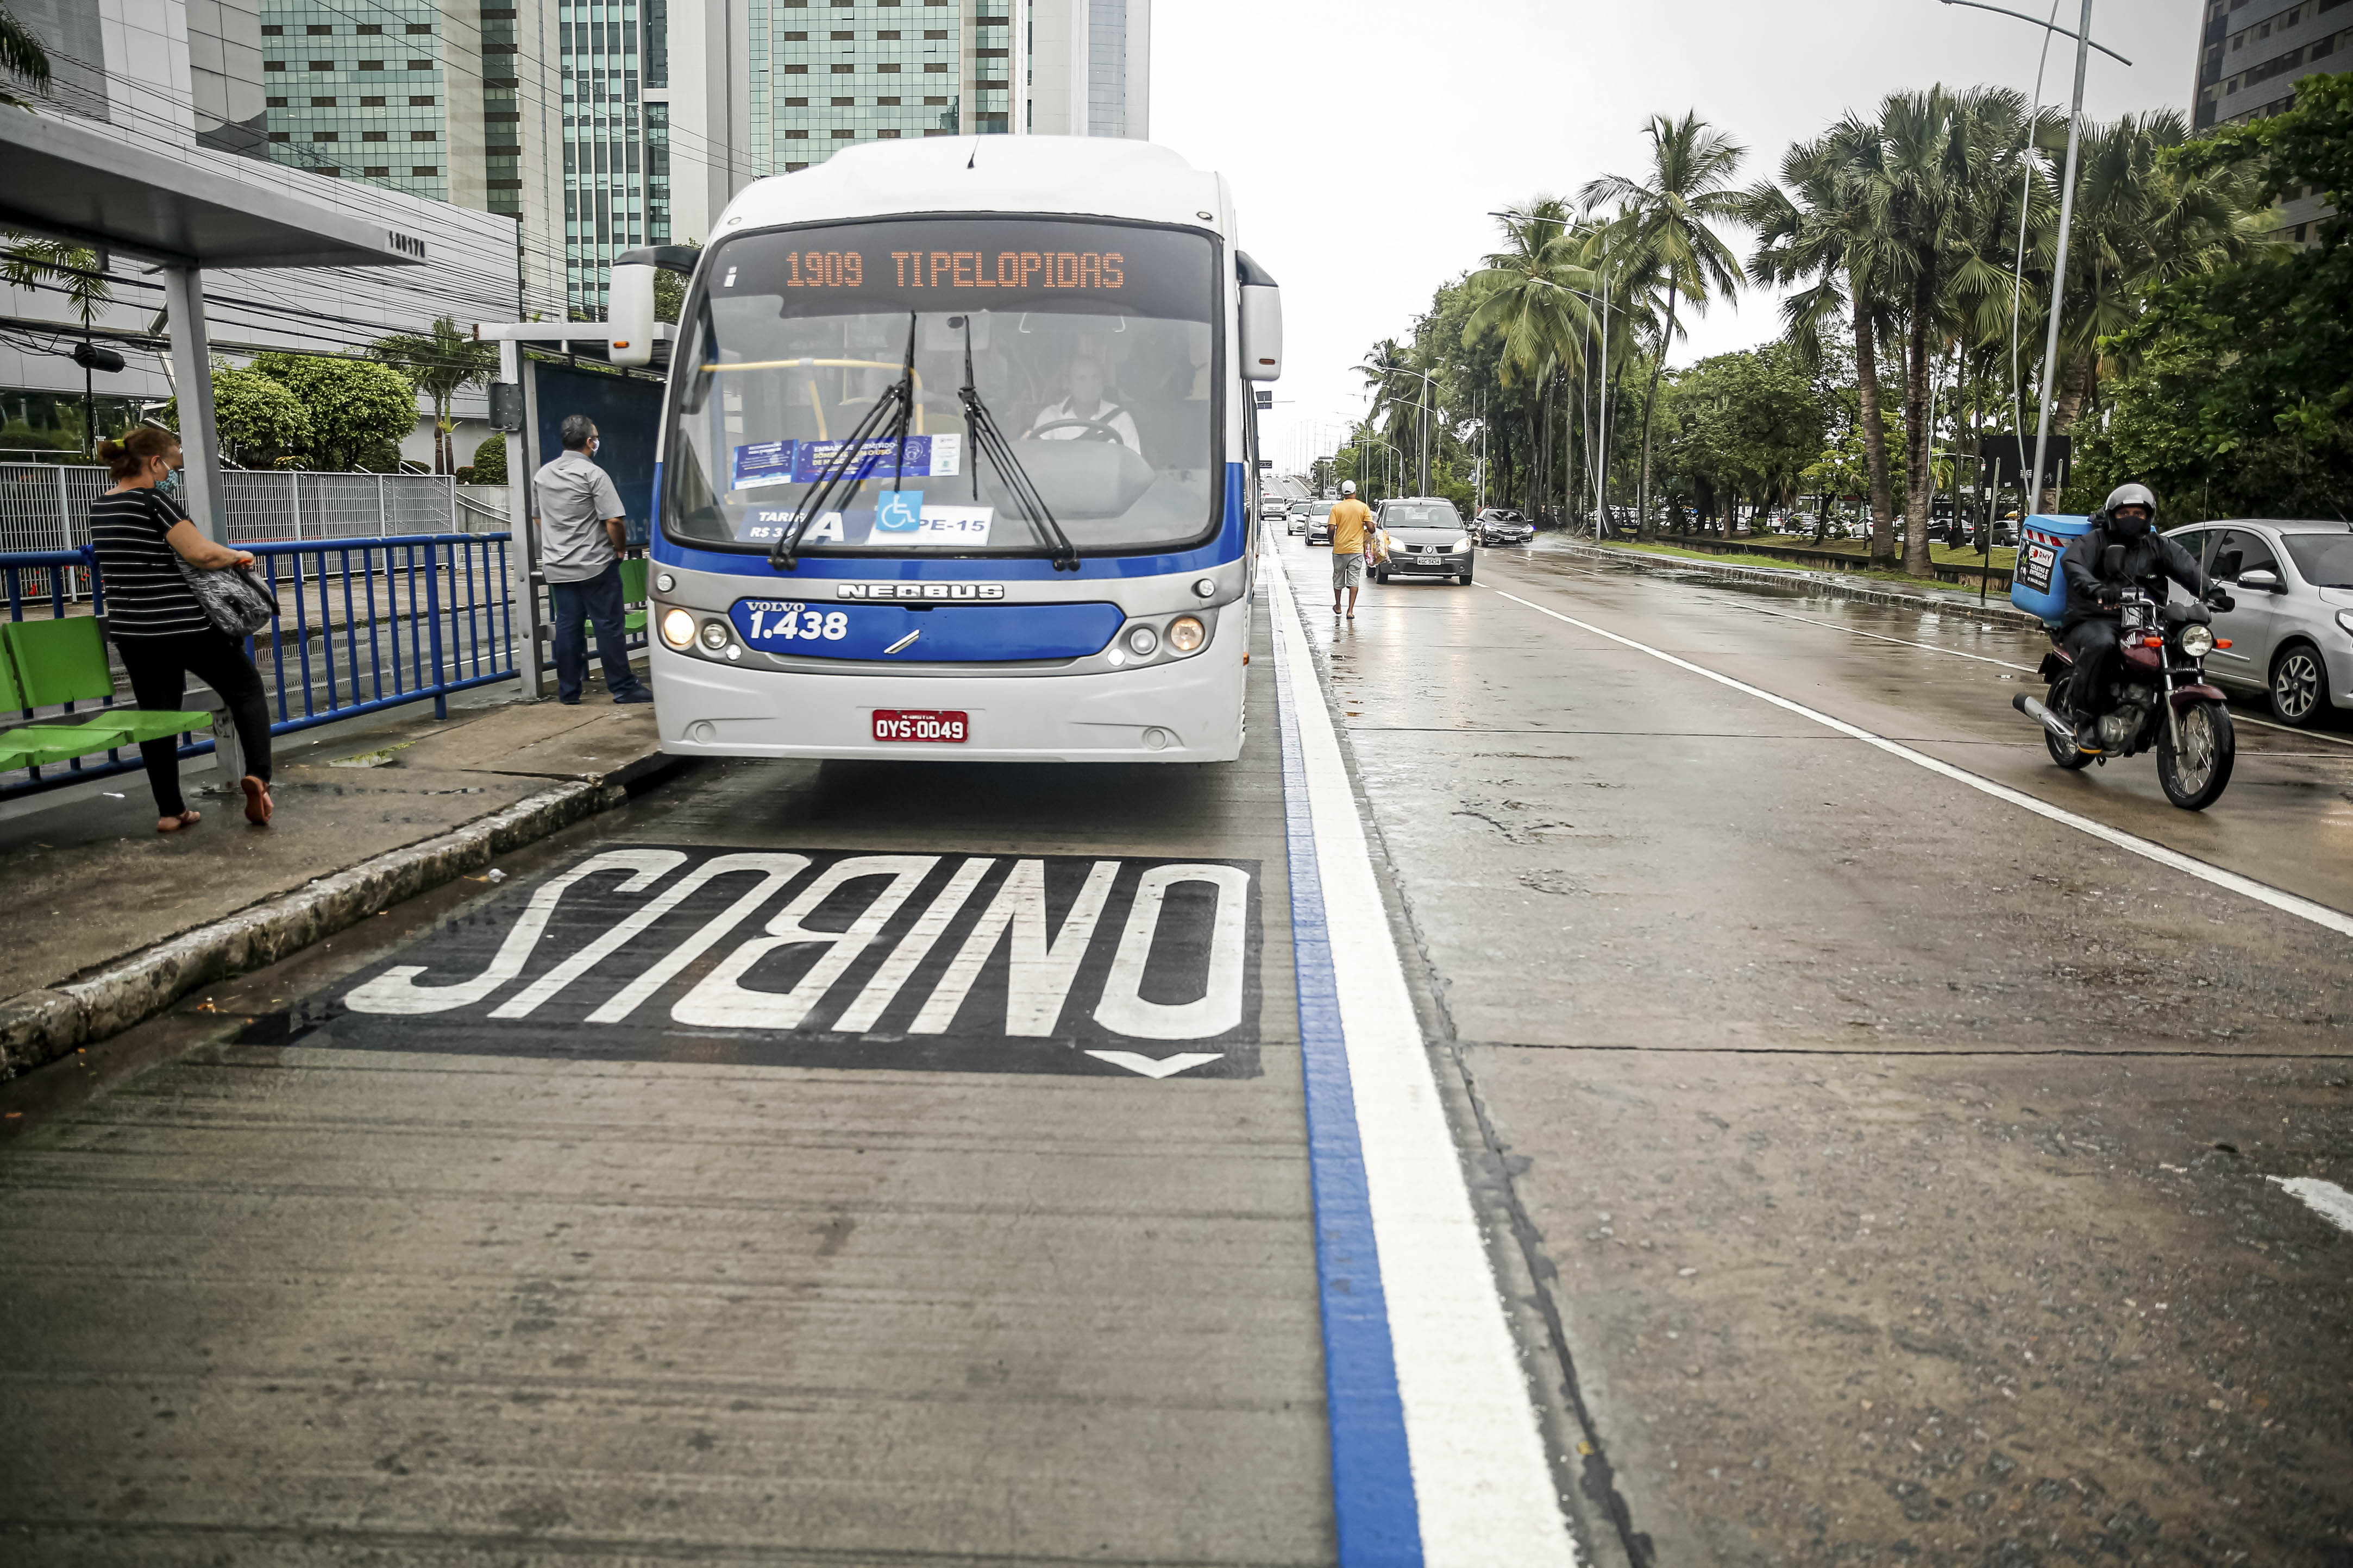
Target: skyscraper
[[827, 74], [1091, 67], [2250, 54]]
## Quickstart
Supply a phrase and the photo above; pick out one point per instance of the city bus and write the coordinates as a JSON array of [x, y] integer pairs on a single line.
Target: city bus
[[959, 458]]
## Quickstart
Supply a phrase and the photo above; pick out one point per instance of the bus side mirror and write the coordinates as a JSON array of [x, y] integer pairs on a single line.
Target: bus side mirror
[[1262, 334], [630, 314]]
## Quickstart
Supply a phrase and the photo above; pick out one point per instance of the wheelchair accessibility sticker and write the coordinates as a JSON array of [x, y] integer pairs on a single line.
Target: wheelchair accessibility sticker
[[822, 958]]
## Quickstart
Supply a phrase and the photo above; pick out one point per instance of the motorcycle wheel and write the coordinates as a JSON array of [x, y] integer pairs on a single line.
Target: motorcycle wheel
[[2195, 774], [2061, 753]]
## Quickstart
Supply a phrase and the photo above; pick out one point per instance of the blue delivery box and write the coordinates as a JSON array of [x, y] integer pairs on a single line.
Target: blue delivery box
[[2036, 584]]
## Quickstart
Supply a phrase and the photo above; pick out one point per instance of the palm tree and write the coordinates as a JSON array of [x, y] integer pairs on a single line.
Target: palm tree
[[22, 53], [73, 267], [2143, 220], [440, 361], [1821, 229], [1689, 187], [1532, 298], [1938, 151]]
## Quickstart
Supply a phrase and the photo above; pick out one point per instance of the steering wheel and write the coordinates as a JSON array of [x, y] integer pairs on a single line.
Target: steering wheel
[[1096, 431]]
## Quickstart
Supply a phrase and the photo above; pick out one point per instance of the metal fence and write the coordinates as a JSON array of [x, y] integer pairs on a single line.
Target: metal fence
[[46, 506], [362, 625]]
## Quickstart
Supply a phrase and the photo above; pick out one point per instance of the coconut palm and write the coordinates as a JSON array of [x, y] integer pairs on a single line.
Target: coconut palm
[[2142, 219], [440, 361], [1532, 298], [1819, 232], [22, 54], [1937, 152], [1687, 189]]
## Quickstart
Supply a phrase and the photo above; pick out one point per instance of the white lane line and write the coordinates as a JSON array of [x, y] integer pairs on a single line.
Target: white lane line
[[2326, 1199], [2148, 849], [1877, 636], [2236, 716], [1481, 1479]]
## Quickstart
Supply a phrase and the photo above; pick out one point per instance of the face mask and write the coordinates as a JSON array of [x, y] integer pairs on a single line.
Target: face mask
[[170, 483], [2129, 527]]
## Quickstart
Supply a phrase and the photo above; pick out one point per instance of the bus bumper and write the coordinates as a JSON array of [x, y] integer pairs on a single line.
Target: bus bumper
[[1192, 708]]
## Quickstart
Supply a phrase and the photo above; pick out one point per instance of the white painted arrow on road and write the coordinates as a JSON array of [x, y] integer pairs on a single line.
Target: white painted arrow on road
[[1167, 1066]]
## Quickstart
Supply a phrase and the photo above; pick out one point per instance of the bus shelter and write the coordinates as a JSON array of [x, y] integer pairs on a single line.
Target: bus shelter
[[72, 182]]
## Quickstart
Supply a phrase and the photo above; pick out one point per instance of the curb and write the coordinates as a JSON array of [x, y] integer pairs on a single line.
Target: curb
[[40, 1026], [1813, 581]]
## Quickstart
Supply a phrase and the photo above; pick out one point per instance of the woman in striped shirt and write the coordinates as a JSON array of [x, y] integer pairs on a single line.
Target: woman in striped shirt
[[157, 623]]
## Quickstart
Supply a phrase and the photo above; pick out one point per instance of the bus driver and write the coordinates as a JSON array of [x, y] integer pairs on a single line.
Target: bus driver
[[1084, 414]]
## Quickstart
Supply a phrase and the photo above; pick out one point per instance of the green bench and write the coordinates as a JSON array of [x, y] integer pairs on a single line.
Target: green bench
[[633, 593], [64, 660]]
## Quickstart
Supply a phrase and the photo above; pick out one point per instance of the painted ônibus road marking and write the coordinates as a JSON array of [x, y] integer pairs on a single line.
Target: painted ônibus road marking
[[1437, 1457], [1054, 964], [2285, 902]]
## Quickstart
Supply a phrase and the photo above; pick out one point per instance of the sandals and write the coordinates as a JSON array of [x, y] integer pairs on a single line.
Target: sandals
[[257, 801], [174, 824]]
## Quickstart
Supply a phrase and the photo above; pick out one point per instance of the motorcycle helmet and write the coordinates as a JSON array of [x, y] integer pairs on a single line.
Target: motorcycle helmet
[[2130, 495]]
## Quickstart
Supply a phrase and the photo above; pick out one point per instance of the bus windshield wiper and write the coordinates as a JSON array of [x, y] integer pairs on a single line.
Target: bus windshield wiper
[[847, 470], [988, 441]]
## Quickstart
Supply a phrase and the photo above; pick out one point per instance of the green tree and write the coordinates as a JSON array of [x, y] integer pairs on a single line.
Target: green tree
[[1821, 232], [1530, 302], [1935, 153], [1740, 428], [258, 418], [1672, 211], [2144, 219], [358, 409], [669, 289], [490, 461], [2236, 395], [439, 362], [22, 53]]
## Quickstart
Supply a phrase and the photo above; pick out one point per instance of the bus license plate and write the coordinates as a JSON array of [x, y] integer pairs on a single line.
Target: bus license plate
[[939, 726]]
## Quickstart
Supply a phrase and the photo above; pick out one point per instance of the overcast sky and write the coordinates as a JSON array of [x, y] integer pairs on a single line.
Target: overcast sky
[[1367, 139]]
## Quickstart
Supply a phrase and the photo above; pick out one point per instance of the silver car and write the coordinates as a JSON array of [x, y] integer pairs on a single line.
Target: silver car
[[1426, 539], [2290, 632]]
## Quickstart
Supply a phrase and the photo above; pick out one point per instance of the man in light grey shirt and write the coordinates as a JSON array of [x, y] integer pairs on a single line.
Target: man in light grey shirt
[[582, 532]]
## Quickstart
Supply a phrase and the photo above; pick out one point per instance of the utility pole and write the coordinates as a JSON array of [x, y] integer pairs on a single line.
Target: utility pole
[[2084, 48]]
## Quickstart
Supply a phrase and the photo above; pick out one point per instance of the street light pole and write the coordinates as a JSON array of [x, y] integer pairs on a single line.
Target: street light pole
[[2059, 266], [2084, 48]]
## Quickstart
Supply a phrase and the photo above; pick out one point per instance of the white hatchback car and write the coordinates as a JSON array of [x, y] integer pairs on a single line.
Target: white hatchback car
[[2291, 630]]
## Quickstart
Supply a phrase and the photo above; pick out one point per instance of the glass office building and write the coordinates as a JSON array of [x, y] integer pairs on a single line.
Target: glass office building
[[2250, 54], [355, 90], [604, 50], [825, 74]]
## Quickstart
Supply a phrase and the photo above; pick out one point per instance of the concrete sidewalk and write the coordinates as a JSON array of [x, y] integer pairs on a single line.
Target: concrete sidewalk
[[1995, 609], [107, 921]]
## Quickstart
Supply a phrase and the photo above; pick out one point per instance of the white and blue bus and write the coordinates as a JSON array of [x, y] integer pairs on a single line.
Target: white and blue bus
[[959, 459]]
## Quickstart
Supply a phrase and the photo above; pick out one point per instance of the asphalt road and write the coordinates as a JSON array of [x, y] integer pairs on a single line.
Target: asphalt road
[[1893, 1159], [1875, 1170]]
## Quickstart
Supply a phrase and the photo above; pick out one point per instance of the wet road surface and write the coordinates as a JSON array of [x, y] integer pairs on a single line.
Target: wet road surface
[[1894, 1161], [1874, 1170]]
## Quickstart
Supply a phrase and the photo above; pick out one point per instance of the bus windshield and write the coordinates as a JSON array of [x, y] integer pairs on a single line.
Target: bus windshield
[[1091, 350]]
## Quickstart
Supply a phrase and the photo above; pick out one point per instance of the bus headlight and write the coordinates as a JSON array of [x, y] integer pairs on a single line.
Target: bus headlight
[[1186, 634], [714, 634], [2197, 641], [1142, 641], [678, 628]]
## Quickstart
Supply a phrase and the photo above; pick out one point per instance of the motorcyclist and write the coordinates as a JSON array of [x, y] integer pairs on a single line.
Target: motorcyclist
[[2091, 627]]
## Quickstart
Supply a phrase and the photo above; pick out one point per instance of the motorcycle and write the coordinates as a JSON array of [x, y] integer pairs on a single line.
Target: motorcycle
[[2162, 699]]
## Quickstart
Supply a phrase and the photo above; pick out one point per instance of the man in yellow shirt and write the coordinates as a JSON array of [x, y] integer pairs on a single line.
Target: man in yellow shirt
[[1352, 540]]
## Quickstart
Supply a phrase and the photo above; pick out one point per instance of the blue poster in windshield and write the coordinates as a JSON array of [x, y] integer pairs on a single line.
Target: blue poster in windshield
[[763, 463]]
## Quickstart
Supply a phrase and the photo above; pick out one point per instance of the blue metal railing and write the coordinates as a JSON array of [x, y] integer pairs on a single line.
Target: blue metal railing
[[364, 624]]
